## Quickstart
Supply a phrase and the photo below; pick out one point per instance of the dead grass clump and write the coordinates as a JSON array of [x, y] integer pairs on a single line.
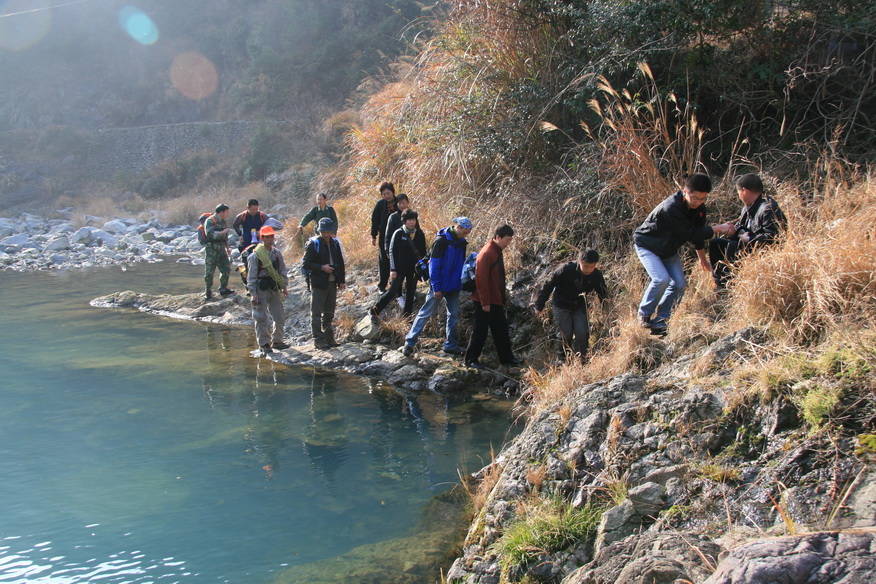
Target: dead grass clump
[[544, 388], [821, 278], [396, 327], [632, 348]]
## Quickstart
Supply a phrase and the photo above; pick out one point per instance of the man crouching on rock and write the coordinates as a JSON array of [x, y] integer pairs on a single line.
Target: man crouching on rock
[[324, 262], [268, 283]]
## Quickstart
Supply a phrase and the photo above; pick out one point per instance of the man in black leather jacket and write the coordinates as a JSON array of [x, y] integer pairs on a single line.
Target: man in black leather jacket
[[759, 224]]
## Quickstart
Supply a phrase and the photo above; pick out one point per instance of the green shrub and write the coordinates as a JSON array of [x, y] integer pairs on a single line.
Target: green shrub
[[553, 526]]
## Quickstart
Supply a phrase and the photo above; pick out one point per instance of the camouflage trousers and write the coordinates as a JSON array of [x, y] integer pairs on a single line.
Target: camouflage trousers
[[216, 258]]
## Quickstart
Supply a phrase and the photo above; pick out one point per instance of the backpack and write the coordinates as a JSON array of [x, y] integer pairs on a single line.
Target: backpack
[[421, 268], [468, 272], [202, 232]]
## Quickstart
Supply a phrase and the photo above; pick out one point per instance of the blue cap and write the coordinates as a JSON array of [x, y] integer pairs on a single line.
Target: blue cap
[[326, 224], [463, 222]]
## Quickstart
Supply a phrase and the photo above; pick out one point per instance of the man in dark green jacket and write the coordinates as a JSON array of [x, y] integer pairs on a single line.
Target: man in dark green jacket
[[321, 210]]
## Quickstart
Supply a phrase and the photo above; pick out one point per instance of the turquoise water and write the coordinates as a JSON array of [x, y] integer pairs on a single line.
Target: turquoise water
[[135, 448]]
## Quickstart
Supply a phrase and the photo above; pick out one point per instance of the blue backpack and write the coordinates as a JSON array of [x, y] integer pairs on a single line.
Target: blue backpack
[[468, 272]]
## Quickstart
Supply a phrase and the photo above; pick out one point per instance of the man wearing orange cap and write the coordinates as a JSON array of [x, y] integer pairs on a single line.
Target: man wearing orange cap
[[268, 283]]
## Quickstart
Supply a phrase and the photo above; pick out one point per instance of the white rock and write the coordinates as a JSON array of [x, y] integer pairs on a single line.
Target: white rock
[[115, 226], [108, 239], [20, 239], [57, 244], [83, 236], [61, 228]]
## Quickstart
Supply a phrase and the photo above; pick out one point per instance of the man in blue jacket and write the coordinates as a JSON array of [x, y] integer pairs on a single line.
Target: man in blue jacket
[[445, 279]]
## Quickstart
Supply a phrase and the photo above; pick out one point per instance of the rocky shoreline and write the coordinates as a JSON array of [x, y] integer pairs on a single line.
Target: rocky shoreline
[[694, 482], [30, 242]]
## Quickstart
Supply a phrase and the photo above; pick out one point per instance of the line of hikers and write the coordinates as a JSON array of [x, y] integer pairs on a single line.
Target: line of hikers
[[403, 261]]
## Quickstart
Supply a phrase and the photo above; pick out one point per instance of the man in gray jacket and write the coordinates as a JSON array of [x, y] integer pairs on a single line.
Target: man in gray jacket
[[268, 284]]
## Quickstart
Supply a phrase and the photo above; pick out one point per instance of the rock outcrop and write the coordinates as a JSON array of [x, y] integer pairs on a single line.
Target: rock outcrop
[[682, 475]]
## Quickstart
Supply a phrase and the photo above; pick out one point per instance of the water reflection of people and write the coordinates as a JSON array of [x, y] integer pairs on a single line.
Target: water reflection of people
[[325, 437]]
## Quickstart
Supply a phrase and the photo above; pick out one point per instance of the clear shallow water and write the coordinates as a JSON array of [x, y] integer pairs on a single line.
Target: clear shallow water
[[135, 448]]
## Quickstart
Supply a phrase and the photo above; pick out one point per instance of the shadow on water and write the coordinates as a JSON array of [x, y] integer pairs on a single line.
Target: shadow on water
[[141, 449]]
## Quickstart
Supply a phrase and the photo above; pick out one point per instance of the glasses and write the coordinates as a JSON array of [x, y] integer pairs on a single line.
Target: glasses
[[696, 199]]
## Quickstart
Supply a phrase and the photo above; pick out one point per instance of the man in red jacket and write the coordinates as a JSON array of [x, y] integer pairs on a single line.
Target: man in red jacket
[[489, 300]]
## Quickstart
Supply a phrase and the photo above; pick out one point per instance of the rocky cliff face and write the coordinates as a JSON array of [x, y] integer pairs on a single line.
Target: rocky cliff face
[[692, 487]]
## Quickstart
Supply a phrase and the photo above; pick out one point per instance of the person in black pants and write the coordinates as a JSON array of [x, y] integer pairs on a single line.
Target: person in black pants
[[489, 299], [407, 246], [760, 223], [570, 283], [379, 216]]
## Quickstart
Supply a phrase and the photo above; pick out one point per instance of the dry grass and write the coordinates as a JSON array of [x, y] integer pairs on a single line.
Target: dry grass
[[821, 279], [645, 137]]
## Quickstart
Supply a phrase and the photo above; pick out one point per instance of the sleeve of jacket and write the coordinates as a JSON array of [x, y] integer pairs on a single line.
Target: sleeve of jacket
[[252, 276], [210, 228], [237, 225], [310, 216], [310, 261], [545, 291], [420, 244], [334, 216], [485, 279], [340, 264], [601, 286], [436, 265], [283, 270], [391, 226], [393, 252], [375, 218], [770, 221], [681, 224]]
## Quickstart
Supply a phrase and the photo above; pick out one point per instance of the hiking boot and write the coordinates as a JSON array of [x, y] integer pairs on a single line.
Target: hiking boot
[[407, 350], [455, 351], [334, 343], [658, 327], [280, 345], [321, 346], [645, 321], [266, 349], [374, 316], [473, 364], [226, 291], [208, 295]]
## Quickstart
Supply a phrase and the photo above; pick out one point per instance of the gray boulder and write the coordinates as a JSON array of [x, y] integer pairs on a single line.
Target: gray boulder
[[83, 235], [57, 244], [814, 558], [663, 558]]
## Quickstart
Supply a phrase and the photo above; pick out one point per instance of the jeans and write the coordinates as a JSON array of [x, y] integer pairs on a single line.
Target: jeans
[[451, 302], [667, 284], [495, 322]]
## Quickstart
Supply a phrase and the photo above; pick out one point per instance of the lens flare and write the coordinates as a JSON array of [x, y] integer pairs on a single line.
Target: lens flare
[[138, 25], [24, 23], [194, 75]]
